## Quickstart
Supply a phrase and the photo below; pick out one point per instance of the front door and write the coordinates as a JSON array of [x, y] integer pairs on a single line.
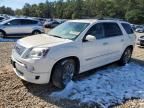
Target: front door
[[94, 51], [13, 27]]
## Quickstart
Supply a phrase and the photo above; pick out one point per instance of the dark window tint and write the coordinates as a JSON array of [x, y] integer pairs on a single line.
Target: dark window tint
[[1, 18], [34, 22], [97, 31], [112, 29], [127, 28], [28, 22], [55, 22], [14, 22]]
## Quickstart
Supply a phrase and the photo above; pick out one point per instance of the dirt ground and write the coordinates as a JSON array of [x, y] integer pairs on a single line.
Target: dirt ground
[[15, 93]]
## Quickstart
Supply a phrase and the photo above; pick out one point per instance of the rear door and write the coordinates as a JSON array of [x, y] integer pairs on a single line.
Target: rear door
[[28, 25], [95, 52], [114, 38]]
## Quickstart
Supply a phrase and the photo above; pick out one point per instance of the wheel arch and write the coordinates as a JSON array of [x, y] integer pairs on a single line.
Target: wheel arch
[[36, 30], [77, 61], [3, 31], [130, 46]]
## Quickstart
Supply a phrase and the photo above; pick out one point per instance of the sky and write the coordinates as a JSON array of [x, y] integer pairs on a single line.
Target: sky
[[18, 4]]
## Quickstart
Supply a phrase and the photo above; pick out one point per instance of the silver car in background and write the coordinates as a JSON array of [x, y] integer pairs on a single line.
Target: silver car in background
[[20, 26]]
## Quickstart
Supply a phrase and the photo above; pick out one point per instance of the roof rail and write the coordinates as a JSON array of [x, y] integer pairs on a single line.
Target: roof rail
[[111, 19]]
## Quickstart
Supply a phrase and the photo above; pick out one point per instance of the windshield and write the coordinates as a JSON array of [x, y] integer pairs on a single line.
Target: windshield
[[68, 30]]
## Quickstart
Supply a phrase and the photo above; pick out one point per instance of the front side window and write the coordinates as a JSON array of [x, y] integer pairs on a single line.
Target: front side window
[[112, 29], [127, 28], [97, 31], [69, 30], [14, 22]]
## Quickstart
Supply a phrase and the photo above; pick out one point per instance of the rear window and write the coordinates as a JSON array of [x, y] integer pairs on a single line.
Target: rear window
[[127, 28], [112, 29]]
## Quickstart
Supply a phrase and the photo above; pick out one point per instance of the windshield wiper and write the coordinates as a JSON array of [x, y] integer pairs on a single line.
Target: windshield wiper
[[56, 36]]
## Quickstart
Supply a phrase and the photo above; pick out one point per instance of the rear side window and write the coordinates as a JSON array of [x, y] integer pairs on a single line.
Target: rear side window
[[127, 28], [34, 22], [28, 22], [112, 29]]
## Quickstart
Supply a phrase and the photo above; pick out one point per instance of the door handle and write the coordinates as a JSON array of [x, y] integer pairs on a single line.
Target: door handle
[[105, 43]]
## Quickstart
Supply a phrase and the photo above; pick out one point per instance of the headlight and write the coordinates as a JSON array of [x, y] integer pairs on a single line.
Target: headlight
[[37, 53]]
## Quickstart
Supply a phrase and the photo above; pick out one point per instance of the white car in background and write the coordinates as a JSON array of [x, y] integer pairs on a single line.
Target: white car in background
[[20, 26], [71, 48], [140, 29]]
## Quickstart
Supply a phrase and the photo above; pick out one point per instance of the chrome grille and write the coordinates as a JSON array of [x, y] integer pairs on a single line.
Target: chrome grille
[[19, 49]]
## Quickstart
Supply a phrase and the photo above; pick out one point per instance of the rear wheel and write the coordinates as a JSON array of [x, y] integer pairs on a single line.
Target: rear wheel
[[2, 34], [126, 57], [36, 32], [63, 73]]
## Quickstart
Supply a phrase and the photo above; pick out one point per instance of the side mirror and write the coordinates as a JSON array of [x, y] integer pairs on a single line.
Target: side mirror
[[90, 38]]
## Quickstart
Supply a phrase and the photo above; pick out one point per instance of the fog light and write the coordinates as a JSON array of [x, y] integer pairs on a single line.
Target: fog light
[[37, 77], [29, 68]]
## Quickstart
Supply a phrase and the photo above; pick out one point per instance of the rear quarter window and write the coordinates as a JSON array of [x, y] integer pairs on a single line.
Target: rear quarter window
[[127, 28]]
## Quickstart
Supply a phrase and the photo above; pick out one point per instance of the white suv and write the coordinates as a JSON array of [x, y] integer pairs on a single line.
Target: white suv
[[71, 48]]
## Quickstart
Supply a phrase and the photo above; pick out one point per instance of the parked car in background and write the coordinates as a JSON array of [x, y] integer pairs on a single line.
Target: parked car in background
[[20, 26], [51, 24], [140, 29], [2, 18], [42, 20], [71, 48], [140, 41]]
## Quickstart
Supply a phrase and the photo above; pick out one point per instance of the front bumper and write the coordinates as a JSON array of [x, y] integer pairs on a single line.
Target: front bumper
[[22, 72]]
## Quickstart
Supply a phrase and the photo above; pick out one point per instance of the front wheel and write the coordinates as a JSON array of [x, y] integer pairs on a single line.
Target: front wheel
[[126, 57], [63, 73]]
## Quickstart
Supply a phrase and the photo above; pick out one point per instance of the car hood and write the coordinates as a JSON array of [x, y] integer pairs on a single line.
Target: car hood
[[41, 40]]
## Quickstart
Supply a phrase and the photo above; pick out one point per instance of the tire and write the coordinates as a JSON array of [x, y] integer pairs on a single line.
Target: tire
[[63, 73], [126, 57], [2, 34], [36, 32]]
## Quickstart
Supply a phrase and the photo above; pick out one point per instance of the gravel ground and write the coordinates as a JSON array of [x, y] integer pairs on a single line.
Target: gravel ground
[[15, 93]]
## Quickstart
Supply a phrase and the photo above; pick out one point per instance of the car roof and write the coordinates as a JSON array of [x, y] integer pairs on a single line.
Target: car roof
[[97, 20], [83, 20], [16, 18], [23, 18]]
